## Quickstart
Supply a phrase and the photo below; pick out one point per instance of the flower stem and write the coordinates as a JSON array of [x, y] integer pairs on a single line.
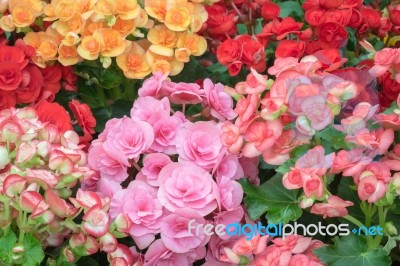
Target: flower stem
[[353, 220], [381, 217]]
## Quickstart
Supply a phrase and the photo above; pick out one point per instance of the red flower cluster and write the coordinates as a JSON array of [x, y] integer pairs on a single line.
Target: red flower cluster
[[22, 82]]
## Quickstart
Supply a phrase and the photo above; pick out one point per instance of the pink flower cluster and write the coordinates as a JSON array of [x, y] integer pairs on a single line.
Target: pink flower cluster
[[387, 59], [277, 117], [161, 169]]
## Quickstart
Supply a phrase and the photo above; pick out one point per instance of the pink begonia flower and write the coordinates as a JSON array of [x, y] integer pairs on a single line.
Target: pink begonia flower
[[175, 231], [232, 137], [122, 254], [200, 143], [159, 255], [380, 170], [248, 247], [220, 102], [282, 65], [216, 254], [293, 179], [261, 136], [365, 110], [184, 93], [229, 217], [273, 256], [152, 165], [351, 124], [350, 163], [153, 86], [272, 107], [165, 134], [96, 221], [313, 245], [140, 204], [187, 185], [336, 207], [316, 110], [230, 191], [107, 187], [377, 141], [294, 243], [303, 260], [129, 138], [280, 151], [107, 166], [229, 167], [298, 93], [392, 160], [370, 188], [250, 169], [313, 186], [315, 161], [255, 83], [245, 108], [150, 110]]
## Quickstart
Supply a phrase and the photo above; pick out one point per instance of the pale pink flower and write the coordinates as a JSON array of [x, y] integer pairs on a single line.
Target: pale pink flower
[[152, 165], [261, 136], [316, 110], [294, 243], [200, 143], [220, 102], [107, 166], [272, 256], [159, 255], [283, 64], [185, 93], [230, 191], [315, 161], [303, 260], [335, 207], [250, 169], [293, 179], [187, 185], [380, 170], [229, 217], [130, 138], [140, 204], [216, 254], [229, 167], [232, 137], [313, 186], [150, 110], [96, 221], [350, 163], [153, 86], [248, 247], [246, 108], [370, 188], [280, 151], [175, 231], [165, 134]]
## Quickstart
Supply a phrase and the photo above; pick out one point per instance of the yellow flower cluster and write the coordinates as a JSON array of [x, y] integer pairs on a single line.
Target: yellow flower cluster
[[92, 29]]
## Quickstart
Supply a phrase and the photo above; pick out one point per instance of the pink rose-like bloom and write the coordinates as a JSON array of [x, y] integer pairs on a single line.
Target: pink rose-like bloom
[[247, 247], [293, 179], [336, 207], [140, 204], [370, 188], [216, 254], [313, 186], [380, 170], [302, 260], [200, 143], [316, 110], [221, 103], [150, 110], [250, 169], [184, 93], [280, 151], [294, 243], [107, 166], [153, 86], [130, 138], [187, 185], [159, 255], [350, 163], [230, 191], [175, 231], [231, 137], [96, 222], [152, 165], [165, 133], [273, 256], [229, 167], [261, 136], [245, 108], [314, 161]]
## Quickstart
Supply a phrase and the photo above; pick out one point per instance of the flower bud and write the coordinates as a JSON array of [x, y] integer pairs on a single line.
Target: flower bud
[[29, 200], [13, 184], [390, 228], [4, 158], [306, 202], [108, 243], [123, 223]]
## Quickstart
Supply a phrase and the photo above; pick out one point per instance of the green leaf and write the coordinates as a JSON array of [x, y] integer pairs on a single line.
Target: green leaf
[[117, 110], [333, 139], [352, 250], [191, 72], [33, 251], [290, 7], [391, 244], [272, 197], [7, 242]]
